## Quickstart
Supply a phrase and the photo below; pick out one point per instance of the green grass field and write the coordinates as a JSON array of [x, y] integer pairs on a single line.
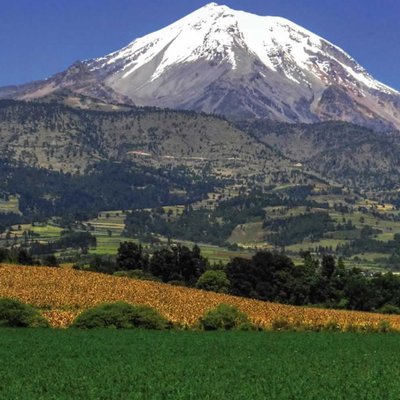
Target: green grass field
[[51, 364]]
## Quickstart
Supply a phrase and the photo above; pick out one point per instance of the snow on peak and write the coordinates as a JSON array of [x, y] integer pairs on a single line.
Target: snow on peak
[[216, 32], [212, 5]]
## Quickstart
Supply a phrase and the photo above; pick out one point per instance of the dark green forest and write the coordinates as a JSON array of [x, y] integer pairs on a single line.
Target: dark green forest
[[106, 186]]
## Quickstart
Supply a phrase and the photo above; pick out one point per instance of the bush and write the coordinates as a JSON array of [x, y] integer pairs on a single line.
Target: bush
[[121, 315], [225, 317], [137, 274], [281, 324], [15, 314], [384, 326], [51, 261], [102, 264], [24, 258], [332, 326], [389, 309], [213, 280]]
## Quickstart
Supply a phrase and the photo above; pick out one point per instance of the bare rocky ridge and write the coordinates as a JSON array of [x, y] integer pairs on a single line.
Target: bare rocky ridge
[[233, 63]]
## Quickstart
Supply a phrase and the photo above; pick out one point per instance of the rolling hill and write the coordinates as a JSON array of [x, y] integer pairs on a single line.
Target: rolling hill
[[59, 137], [63, 292]]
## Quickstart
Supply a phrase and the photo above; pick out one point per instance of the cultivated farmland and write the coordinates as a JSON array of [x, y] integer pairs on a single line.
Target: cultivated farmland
[[63, 292]]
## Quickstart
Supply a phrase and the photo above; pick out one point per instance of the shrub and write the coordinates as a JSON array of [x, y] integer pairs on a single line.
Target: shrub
[[350, 327], [225, 317], [103, 264], [51, 261], [281, 324], [15, 314], [332, 326], [134, 273], [389, 309], [213, 280], [24, 258], [137, 274], [384, 326], [121, 315]]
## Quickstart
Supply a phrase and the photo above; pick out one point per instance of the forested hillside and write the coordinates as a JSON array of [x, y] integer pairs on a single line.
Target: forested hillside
[[353, 155]]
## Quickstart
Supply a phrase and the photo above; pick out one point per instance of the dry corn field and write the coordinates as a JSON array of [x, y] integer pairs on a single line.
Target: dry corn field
[[63, 292]]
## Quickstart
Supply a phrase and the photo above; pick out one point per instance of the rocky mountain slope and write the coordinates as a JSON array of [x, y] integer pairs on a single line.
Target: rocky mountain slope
[[233, 63]]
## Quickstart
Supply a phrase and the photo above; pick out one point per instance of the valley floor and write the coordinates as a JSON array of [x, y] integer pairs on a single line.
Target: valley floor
[[70, 364]]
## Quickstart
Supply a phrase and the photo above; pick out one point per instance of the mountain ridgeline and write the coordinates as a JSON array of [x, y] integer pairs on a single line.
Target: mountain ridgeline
[[233, 63]]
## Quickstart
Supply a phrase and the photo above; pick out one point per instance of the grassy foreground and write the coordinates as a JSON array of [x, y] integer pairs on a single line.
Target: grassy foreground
[[69, 364]]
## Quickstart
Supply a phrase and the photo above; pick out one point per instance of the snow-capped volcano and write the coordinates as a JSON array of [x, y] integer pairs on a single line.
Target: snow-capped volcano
[[219, 33], [238, 64]]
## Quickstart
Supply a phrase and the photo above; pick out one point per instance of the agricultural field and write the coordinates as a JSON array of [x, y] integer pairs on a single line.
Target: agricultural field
[[109, 364], [11, 205], [107, 221], [250, 235], [24, 233], [217, 255], [45, 232], [63, 292], [108, 228]]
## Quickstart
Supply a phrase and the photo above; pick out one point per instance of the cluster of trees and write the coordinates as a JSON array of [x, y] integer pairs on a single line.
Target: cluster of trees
[[194, 225], [174, 264], [274, 277], [295, 229], [267, 276], [22, 256], [8, 219], [216, 225], [366, 244], [105, 186], [69, 239], [34, 252]]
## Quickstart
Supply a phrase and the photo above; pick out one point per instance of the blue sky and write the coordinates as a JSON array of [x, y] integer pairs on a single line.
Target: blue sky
[[41, 37]]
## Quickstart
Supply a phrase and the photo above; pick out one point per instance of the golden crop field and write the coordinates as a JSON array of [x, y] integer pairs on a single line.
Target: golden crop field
[[63, 292]]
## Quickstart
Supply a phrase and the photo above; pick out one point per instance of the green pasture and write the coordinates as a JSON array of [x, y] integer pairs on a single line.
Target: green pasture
[[110, 364]]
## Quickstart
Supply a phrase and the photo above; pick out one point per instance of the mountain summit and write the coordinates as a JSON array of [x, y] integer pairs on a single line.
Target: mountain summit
[[233, 63]]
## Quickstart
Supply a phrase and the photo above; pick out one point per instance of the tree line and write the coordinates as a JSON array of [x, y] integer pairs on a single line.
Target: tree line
[[105, 186], [267, 276]]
